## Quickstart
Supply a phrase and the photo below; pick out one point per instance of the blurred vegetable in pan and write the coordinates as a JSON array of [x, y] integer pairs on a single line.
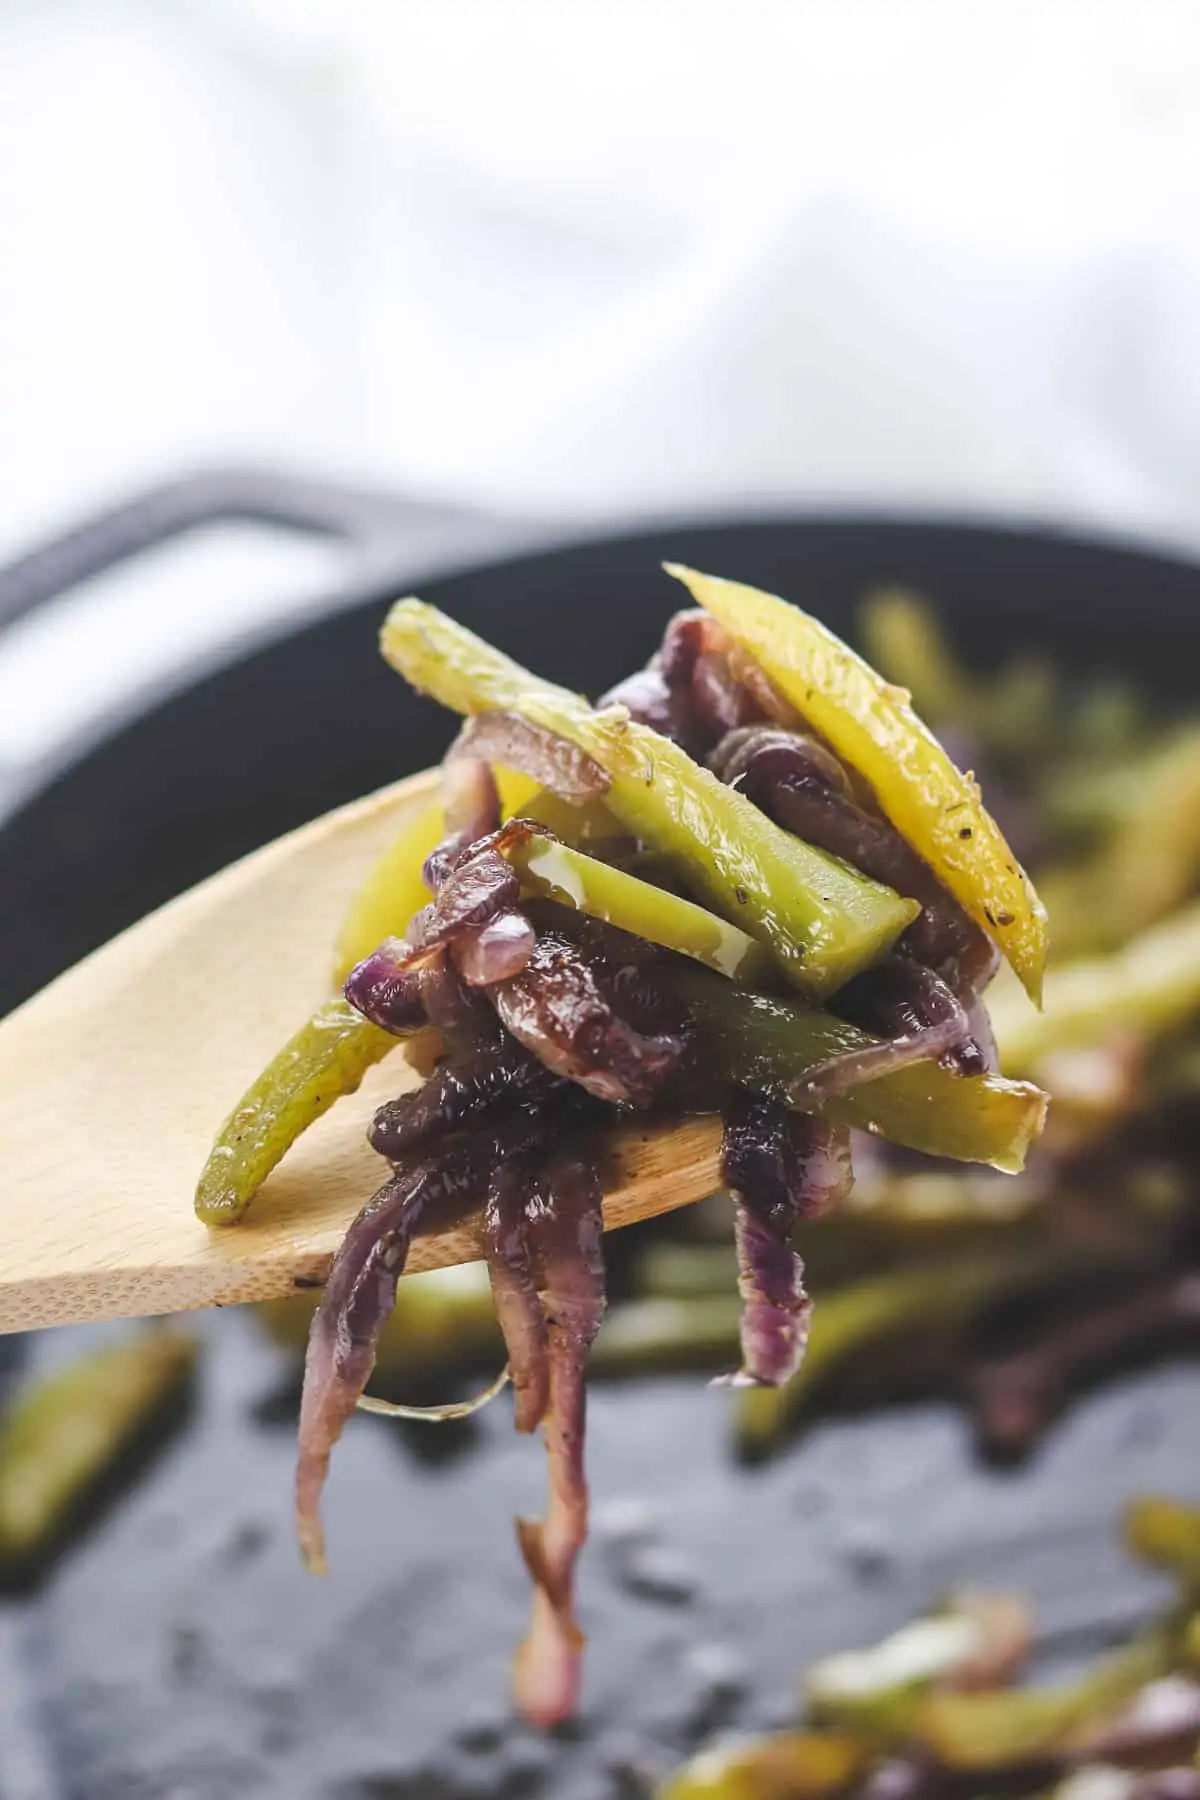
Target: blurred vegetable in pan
[[63, 1435], [933, 1711]]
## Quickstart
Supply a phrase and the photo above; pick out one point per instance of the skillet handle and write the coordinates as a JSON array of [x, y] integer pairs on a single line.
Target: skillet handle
[[220, 496]]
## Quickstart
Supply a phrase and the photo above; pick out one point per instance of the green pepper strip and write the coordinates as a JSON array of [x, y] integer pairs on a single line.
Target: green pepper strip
[[325, 1059], [903, 640], [822, 920], [64, 1433], [1152, 986], [758, 1042], [1166, 1533], [557, 872], [794, 1765], [874, 1692], [992, 1730]]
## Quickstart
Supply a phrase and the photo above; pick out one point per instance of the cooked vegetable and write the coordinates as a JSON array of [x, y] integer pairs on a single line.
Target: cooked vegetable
[[392, 892], [796, 1765], [931, 1712], [1148, 862], [557, 872], [976, 1640], [823, 921], [872, 726], [999, 1728], [770, 1046], [779, 1168], [542, 937], [799, 784], [67, 1431], [1167, 1533], [395, 887], [902, 639], [445, 1321], [1150, 987], [326, 1059]]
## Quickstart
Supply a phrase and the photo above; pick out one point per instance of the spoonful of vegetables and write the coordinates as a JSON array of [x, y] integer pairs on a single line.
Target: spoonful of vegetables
[[628, 953]]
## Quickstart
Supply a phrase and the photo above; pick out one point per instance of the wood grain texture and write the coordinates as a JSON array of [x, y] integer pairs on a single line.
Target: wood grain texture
[[115, 1078]]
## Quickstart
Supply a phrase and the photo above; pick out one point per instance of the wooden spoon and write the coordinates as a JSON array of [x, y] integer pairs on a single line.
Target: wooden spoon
[[115, 1078]]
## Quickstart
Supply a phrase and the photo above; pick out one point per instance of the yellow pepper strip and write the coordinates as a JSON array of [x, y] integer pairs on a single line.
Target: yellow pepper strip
[[794, 1765], [555, 871], [392, 892], [1152, 986], [65, 1433], [873, 727], [823, 921], [326, 1058]]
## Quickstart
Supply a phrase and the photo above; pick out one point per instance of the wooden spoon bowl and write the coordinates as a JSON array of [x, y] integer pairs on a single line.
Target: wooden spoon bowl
[[115, 1078]]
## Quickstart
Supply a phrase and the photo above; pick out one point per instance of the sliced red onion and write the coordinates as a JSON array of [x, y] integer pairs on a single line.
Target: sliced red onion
[[515, 1292], [515, 743], [798, 783], [778, 1168], [496, 951], [483, 885], [982, 1036], [1180, 1783], [566, 1234], [557, 1010], [357, 1301], [1160, 1724], [907, 1000], [686, 635], [726, 687], [462, 1015], [361, 1291], [720, 700], [907, 1003], [385, 991], [819, 1165], [627, 970], [470, 797], [757, 756], [493, 1070], [770, 702], [647, 698]]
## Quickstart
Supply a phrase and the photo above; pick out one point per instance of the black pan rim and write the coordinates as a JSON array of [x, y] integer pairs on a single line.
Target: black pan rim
[[376, 586]]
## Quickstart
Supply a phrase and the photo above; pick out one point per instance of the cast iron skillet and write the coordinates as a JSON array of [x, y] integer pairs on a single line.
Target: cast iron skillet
[[177, 1650]]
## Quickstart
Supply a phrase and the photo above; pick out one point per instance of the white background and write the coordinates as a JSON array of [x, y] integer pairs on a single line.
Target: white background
[[583, 258]]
